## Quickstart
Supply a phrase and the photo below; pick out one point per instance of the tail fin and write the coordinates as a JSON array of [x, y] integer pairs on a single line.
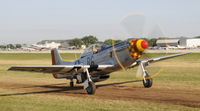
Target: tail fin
[[56, 58]]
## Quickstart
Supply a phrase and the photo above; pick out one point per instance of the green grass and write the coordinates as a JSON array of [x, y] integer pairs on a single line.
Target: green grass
[[181, 71], [172, 74]]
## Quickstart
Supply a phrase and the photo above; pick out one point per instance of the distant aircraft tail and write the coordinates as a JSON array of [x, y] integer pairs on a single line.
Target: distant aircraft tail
[[56, 58]]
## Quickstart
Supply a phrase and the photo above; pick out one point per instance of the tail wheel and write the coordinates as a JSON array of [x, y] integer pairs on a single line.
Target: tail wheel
[[148, 82], [71, 84], [91, 88]]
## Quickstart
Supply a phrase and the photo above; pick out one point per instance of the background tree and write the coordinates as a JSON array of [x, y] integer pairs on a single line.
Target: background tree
[[18, 46], [76, 42], [109, 41], [152, 42], [11, 46], [2, 47], [88, 40], [197, 37]]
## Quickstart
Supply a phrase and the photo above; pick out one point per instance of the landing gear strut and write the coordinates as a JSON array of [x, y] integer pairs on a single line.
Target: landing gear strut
[[147, 80], [89, 84]]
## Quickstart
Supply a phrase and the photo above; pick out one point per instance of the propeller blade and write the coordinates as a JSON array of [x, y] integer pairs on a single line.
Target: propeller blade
[[139, 73], [156, 32], [138, 27], [115, 54], [133, 24]]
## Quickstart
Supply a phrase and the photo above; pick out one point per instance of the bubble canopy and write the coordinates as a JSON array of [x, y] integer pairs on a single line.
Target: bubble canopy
[[94, 48]]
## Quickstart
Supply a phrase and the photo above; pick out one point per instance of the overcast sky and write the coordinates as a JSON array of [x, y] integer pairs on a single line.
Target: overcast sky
[[29, 21]]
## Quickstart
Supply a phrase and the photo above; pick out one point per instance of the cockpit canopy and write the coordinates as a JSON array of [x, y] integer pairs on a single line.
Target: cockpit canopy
[[93, 49]]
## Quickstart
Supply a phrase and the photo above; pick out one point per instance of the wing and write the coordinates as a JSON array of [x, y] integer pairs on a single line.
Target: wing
[[58, 69], [154, 59]]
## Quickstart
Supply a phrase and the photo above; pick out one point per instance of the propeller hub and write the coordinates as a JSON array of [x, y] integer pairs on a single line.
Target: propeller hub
[[144, 44], [137, 47]]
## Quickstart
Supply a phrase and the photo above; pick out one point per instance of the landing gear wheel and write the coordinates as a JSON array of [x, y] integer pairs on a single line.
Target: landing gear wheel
[[148, 83], [91, 88], [71, 84]]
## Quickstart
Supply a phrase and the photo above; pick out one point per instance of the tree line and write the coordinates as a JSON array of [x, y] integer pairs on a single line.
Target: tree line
[[86, 40], [89, 40], [11, 46]]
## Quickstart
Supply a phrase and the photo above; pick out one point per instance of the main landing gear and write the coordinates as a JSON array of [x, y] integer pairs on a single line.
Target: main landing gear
[[147, 80], [91, 88], [89, 84]]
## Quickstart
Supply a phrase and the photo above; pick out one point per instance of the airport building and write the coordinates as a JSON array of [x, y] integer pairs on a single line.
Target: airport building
[[52, 45], [179, 42], [63, 44]]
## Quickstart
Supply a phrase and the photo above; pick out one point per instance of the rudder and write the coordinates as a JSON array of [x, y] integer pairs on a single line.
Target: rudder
[[56, 58]]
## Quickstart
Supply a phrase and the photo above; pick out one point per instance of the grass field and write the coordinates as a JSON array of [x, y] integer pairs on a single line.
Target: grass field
[[180, 73]]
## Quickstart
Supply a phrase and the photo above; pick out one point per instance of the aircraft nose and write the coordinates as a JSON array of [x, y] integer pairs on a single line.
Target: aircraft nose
[[136, 47], [144, 45]]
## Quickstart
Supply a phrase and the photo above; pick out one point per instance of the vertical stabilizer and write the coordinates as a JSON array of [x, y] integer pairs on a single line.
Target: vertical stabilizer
[[56, 58]]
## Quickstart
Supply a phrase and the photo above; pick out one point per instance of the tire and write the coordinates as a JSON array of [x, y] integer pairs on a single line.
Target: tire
[[91, 88], [149, 83]]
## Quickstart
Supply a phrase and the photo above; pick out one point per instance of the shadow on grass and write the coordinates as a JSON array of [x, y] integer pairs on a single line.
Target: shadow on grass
[[55, 88], [118, 83]]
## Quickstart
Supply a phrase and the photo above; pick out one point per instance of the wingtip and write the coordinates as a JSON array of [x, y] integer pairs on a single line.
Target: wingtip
[[9, 69], [188, 52]]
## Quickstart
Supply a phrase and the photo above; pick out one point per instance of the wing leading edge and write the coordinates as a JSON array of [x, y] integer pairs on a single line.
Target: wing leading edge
[[154, 59]]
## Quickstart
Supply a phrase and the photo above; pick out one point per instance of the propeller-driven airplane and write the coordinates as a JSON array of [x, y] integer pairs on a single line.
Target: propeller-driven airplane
[[97, 62]]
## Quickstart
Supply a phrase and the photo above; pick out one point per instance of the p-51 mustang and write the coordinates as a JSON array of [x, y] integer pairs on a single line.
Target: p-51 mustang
[[97, 62]]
